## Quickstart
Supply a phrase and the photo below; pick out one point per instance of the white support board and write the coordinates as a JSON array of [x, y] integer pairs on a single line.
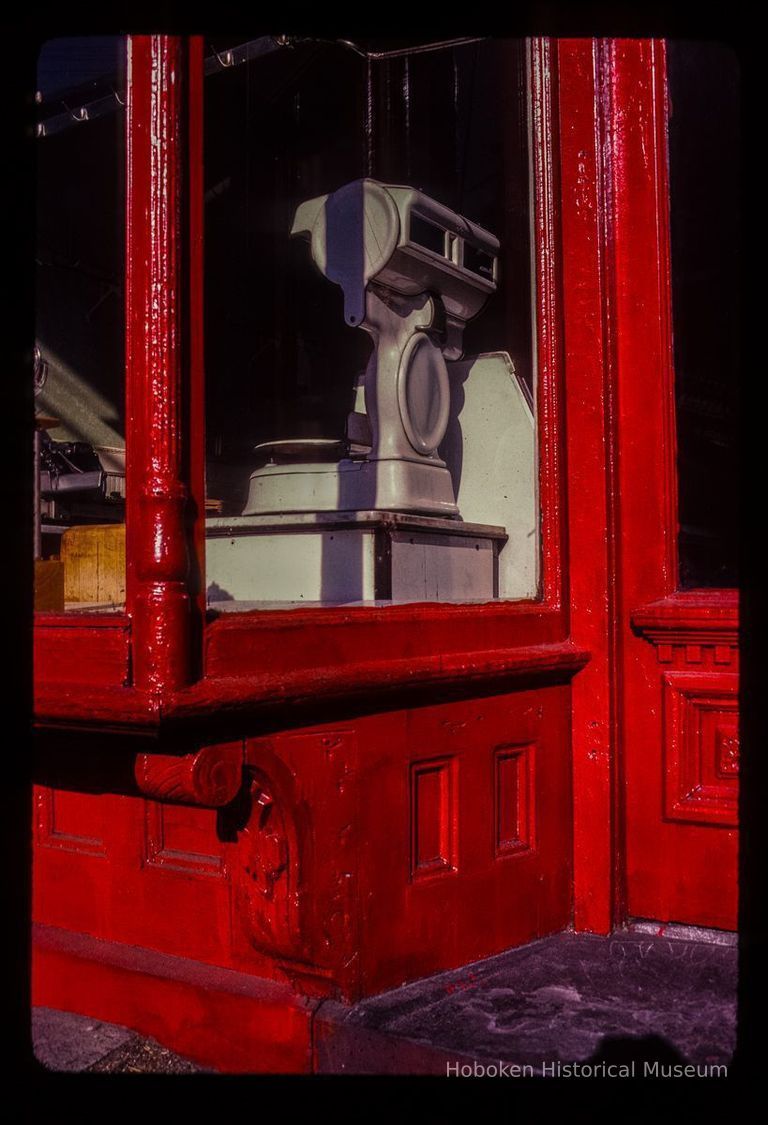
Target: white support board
[[381, 557], [490, 451]]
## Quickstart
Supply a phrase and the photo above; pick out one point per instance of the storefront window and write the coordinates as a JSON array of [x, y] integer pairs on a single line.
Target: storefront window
[[79, 366], [368, 332]]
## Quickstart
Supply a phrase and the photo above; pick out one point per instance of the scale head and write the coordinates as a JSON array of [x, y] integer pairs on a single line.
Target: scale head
[[402, 239], [353, 233]]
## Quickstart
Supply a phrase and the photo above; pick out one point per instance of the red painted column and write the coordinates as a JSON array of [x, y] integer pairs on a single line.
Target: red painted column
[[591, 490], [163, 537], [645, 478]]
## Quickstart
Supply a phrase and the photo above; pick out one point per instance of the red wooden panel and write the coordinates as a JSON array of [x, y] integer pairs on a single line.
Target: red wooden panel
[[433, 817], [74, 822], [414, 926], [85, 651], [352, 847], [80, 844], [701, 748], [302, 905], [515, 801], [182, 838], [289, 642], [682, 769]]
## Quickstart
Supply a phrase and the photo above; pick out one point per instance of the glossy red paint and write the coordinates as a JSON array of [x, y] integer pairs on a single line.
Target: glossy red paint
[[157, 486], [71, 649], [210, 777], [360, 854], [591, 492], [75, 704], [247, 697], [690, 616], [691, 659], [423, 785]]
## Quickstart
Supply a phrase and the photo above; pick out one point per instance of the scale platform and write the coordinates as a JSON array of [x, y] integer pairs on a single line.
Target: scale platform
[[338, 558]]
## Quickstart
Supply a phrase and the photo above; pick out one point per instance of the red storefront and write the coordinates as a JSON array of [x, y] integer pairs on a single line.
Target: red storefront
[[241, 809]]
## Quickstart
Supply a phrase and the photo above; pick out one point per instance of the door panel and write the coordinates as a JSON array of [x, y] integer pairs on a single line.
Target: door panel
[[682, 760]]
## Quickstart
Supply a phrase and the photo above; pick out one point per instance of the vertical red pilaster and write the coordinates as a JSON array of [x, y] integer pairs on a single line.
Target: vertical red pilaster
[[642, 314], [161, 533], [591, 517], [621, 439]]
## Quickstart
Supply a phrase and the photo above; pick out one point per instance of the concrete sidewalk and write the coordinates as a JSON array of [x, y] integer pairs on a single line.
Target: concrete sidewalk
[[63, 1041]]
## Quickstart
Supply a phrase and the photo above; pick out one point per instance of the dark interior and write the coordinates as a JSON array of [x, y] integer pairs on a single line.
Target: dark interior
[[705, 194]]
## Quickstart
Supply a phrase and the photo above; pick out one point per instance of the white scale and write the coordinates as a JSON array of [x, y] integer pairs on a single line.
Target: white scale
[[377, 517]]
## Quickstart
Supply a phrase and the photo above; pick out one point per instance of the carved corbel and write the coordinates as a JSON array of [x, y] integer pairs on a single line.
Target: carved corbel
[[210, 777]]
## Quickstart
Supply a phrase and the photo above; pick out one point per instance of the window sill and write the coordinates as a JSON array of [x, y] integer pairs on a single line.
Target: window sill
[[223, 704]]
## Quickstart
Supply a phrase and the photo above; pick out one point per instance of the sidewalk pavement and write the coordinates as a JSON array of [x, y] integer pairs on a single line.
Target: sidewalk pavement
[[63, 1041]]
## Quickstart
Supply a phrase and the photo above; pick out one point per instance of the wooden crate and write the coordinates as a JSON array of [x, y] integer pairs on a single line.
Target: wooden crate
[[94, 564]]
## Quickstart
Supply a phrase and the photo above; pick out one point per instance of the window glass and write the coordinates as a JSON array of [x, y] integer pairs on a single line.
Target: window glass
[[705, 200], [79, 366], [394, 461]]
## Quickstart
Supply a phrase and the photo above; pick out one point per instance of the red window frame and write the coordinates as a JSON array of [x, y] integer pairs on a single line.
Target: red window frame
[[171, 644]]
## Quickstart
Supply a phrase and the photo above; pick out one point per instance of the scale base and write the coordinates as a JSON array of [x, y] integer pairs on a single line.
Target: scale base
[[343, 558], [396, 485]]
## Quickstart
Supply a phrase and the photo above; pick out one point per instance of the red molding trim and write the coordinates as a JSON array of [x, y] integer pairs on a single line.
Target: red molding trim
[[253, 621], [75, 620], [82, 706], [690, 617], [248, 1024], [372, 678]]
